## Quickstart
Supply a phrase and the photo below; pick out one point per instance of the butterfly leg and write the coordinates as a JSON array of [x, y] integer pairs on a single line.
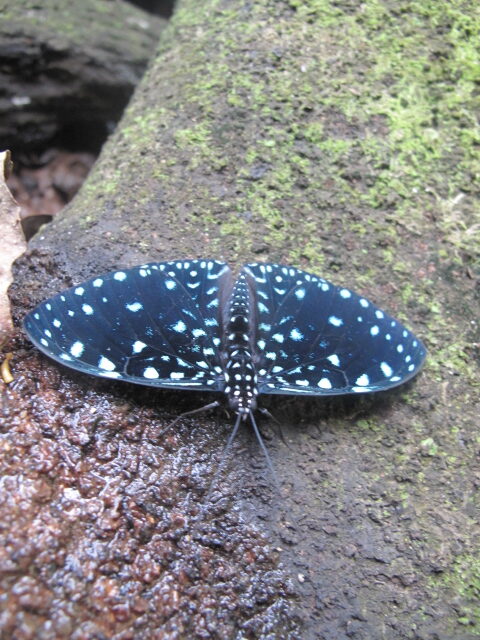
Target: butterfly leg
[[206, 407], [146, 436], [270, 416], [266, 412]]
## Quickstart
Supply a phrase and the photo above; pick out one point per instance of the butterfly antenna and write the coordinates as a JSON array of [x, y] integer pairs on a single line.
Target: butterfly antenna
[[265, 451], [225, 453]]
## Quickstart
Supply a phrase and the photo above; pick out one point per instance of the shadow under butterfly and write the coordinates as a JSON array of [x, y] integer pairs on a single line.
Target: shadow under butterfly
[[189, 325]]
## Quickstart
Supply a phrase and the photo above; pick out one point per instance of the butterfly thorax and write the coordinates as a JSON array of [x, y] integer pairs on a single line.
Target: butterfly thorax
[[239, 369]]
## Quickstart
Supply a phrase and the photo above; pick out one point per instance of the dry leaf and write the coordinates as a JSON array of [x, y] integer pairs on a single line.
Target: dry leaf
[[13, 242], [5, 372]]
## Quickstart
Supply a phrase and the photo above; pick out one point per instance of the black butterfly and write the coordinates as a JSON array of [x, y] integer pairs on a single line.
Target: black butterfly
[[188, 325]]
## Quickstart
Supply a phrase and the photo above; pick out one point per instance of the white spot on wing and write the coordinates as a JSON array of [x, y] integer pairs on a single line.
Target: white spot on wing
[[336, 322], [106, 364], [77, 349], [120, 276], [324, 383], [134, 306], [386, 369], [138, 346], [300, 293], [296, 335], [180, 327], [363, 380], [334, 359], [151, 373]]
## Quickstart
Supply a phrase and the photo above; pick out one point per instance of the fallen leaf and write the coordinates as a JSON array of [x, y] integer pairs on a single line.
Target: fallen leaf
[[13, 242], [5, 372]]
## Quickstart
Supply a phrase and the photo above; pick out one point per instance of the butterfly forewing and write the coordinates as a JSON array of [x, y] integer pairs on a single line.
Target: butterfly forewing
[[315, 338], [157, 324]]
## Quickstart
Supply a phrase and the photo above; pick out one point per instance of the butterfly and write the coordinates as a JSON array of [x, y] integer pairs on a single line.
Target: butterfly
[[188, 324]]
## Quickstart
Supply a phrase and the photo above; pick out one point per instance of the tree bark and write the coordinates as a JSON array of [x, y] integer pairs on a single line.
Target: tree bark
[[337, 137], [69, 72]]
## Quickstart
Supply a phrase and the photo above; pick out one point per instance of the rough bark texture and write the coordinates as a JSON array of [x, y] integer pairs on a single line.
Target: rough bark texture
[[339, 137], [64, 69]]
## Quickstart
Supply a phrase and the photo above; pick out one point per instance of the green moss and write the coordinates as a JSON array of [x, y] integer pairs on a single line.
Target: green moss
[[196, 136], [462, 580], [429, 447], [83, 26], [370, 425]]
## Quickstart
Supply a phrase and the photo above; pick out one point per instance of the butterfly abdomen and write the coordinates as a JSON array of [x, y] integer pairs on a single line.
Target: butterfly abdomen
[[240, 375]]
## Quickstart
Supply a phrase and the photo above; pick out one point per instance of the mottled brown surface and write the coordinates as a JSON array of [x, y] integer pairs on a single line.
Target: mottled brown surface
[[325, 135], [103, 533]]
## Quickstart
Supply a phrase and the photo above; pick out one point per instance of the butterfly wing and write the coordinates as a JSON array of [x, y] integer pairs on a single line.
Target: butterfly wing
[[315, 338], [157, 324]]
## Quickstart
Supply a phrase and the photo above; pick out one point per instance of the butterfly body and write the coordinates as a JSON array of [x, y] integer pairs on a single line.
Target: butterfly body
[[185, 325], [240, 374]]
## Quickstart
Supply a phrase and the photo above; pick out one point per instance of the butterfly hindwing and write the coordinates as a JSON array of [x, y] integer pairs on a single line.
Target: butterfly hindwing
[[156, 324], [314, 338]]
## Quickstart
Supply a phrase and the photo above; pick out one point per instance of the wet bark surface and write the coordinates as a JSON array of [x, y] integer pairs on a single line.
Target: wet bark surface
[[329, 137]]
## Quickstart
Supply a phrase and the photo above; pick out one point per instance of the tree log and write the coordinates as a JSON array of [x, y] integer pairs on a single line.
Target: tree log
[[333, 136], [69, 72]]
